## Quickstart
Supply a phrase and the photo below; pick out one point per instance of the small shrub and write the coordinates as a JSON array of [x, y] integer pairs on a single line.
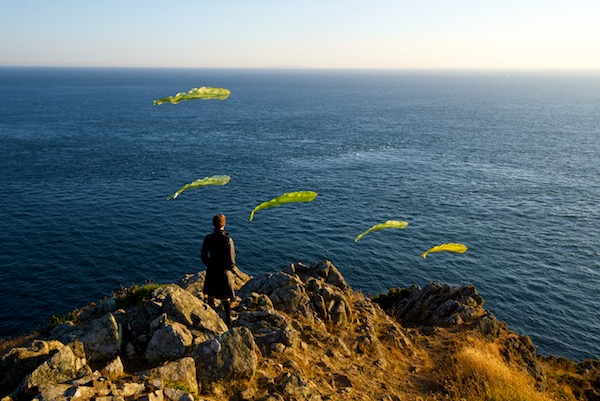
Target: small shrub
[[136, 294], [72, 317]]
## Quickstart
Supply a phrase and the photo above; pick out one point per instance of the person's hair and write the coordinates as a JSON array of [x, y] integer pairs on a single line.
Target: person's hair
[[219, 220]]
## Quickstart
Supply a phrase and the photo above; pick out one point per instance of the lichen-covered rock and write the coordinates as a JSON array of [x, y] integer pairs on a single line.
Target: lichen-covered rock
[[68, 363], [114, 369], [269, 327], [233, 355], [170, 341], [310, 293], [256, 302], [181, 373], [183, 307], [324, 270], [294, 387], [328, 302], [102, 339], [19, 362], [287, 293]]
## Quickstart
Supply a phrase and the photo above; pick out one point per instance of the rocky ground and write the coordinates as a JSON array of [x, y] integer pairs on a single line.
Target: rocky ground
[[297, 334]]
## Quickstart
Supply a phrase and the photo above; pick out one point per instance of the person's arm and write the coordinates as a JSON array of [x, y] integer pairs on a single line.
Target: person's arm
[[232, 253], [204, 252]]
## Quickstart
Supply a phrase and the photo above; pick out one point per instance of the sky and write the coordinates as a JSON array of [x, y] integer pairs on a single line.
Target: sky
[[562, 34]]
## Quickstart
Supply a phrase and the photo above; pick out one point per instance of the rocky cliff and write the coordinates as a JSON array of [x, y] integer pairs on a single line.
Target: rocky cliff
[[297, 334]]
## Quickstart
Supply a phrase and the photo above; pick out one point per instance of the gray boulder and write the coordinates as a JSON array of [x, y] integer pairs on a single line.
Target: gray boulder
[[269, 327], [440, 305], [68, 363], [178, 374], [114, 369], [233, 355], [324, 270], [19, 362], [185, 308], [170, 341], [102, 339], [294, 387], [329, 302], [256, 302], [287, 293]]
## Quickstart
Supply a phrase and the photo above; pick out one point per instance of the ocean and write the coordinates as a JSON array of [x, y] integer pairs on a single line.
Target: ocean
[[505, 162]]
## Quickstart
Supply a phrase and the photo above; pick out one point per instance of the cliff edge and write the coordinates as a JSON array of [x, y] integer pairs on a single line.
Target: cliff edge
[[298, 334]]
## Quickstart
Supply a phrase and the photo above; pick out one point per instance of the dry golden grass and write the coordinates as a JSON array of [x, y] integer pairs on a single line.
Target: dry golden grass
[[477, 371]]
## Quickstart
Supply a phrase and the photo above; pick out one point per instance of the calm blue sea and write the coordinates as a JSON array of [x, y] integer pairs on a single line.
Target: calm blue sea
[[506, 162]]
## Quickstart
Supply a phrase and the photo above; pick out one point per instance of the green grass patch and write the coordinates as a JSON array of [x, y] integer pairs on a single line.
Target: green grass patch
[[72, 317], [136, 293]]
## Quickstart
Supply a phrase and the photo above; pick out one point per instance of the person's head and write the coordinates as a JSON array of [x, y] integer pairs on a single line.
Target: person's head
[[219, 221]]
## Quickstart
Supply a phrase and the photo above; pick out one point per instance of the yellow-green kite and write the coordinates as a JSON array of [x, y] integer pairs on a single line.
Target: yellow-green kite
[[382, 226], [196, 93], [289, 197], [202, 182], [458, 248]]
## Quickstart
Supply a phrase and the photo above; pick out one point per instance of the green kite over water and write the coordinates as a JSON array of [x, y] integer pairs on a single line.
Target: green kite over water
[[196, 93], [202, 182], [458, 248], [289, 197], [382, 226]]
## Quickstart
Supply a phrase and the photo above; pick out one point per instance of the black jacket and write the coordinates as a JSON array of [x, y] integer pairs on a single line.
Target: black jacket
[[218, 255], [218, 251]]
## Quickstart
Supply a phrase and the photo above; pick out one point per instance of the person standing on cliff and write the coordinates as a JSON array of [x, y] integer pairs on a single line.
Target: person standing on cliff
[[218, 255]]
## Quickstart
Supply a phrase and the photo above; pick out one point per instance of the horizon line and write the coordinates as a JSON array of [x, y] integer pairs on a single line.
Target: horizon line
[[293, 67]]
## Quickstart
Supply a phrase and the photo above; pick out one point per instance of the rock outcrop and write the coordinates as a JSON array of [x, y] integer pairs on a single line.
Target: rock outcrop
[[434, 305], [67, 364], [21, 361], [438, 305], [297, 334]]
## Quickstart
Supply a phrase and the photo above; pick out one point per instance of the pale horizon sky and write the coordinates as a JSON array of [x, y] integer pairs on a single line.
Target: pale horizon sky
[[313, 34]]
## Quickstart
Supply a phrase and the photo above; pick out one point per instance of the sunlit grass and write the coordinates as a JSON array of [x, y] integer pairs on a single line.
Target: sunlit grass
[[478, 372]]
